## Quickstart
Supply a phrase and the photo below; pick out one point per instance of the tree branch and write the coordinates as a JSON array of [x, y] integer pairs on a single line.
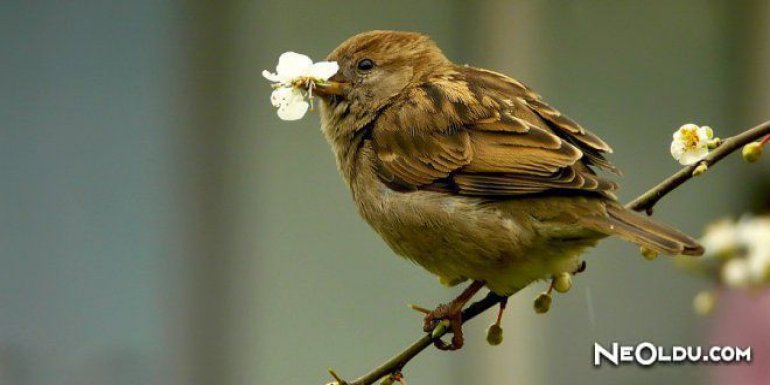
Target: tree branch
[[648, 200], [644, 202], [397, 362]]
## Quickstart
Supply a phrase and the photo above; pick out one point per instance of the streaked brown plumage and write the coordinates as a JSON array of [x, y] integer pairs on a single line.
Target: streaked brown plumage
[[466, 171]]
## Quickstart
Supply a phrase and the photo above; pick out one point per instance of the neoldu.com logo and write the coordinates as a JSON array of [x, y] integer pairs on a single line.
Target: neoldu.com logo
[[647, 354]]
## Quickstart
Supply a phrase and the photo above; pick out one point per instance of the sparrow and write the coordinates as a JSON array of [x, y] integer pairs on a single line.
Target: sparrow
[[468, 172]]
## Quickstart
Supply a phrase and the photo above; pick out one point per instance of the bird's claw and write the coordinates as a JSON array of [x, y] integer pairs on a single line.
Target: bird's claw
[[452, 314], [444, 312]]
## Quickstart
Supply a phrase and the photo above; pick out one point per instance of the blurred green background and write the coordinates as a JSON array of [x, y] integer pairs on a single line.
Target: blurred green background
[[160, 225]]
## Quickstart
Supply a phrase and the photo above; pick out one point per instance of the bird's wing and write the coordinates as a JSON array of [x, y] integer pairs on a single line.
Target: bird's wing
[[476, 132]]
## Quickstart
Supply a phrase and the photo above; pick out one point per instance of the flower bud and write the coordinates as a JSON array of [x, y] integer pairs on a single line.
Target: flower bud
[[752, 152], [648, 254], [543, 303], [494, 334], [440, 329], [704, 302], [700, 170], [562, 282]]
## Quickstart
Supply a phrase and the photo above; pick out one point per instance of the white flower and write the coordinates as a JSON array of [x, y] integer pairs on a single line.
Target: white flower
[[744, 246], [690, 144], [720, 238], [294, 66], [294, 72], [754, 233], [291, 103], [736, 273]]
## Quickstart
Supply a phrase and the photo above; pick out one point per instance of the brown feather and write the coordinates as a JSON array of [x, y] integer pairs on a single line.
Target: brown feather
[[476, 132], [643, 231]]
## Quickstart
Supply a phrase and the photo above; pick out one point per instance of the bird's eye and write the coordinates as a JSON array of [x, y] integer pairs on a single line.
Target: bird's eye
[[365, 65]]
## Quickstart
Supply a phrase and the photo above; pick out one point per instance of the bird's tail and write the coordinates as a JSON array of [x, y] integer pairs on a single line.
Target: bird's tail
[[643, 231]]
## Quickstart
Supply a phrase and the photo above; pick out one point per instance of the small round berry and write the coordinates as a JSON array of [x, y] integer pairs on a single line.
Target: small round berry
[[752, 152], [562, 282], [543, 303], [648, 254], [494, 334], [704, 302]]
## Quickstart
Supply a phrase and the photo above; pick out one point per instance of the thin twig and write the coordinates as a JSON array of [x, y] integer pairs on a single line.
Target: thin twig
[[645, 201], [398, 361]]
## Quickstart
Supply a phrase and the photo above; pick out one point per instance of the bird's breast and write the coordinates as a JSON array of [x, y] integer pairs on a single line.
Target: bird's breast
[[459, 237]]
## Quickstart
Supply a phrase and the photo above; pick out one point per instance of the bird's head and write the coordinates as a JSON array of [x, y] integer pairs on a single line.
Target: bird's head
[[374, 67]]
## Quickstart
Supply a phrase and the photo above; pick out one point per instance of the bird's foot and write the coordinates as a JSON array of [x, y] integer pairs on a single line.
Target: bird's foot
[[452, 312], [449, 312]]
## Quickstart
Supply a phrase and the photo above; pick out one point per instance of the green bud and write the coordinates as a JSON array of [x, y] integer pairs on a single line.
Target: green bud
[[494, 334], [700, 169], [752, 152], [649, 254], [337, 378], [387, 380], [704, 302], [709, 132], [440, 329], [543, 303], [562, 282]]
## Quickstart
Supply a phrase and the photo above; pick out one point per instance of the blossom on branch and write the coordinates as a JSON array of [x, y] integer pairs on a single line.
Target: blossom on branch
[[737, 255], [691, 143]]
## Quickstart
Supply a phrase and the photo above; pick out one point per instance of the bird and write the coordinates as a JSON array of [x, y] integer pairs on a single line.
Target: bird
[[469, 173]]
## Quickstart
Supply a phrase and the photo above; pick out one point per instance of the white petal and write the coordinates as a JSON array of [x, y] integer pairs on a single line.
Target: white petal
[[293, 111], [292, 65], [703, 134], [754, 234], [323, 70], [281, 96], [720, 237], [291, 104], [677, 149], [735, 273], [688, 127], [271, 76], [691, 157]]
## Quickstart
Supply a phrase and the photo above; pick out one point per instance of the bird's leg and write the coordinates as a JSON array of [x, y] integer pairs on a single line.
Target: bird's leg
[[501, 310], [451, 311]]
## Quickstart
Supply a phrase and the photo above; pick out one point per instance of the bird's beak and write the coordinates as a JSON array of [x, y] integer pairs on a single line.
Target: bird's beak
[[329, 88], [335, 86]]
